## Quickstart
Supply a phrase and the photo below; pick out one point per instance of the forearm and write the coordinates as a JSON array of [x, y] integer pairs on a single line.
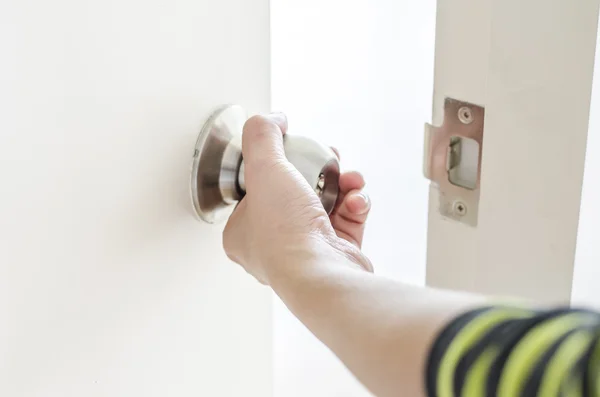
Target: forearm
[[381, 329]]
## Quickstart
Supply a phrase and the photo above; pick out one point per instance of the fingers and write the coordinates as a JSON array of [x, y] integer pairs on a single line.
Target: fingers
[[350, 216], [356, 206], [262, 139], [281, 120], [352, 208], [351, 181]]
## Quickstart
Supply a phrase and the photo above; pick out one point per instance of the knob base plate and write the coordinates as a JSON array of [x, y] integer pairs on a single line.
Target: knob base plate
[[215, 139]]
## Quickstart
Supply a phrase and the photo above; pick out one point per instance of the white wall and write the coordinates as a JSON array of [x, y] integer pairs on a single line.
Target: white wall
[[357, 74], [587, 259]]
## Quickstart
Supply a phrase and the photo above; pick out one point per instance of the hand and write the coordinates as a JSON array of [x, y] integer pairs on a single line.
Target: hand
[[281, 221]]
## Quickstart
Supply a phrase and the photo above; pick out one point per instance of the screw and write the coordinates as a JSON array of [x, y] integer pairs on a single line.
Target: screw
[[465, 115], [459, 208]]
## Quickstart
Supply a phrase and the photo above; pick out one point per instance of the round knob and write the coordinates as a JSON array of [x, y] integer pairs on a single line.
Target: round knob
[[218, 181]]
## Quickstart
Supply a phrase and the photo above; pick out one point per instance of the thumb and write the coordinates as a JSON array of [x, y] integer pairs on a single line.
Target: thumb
[[262, 139]]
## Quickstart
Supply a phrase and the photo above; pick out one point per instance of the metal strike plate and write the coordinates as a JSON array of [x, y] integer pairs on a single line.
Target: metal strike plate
[[453, 160]]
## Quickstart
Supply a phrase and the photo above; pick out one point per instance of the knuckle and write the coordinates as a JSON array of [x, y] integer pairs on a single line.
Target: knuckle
[[258, 127]]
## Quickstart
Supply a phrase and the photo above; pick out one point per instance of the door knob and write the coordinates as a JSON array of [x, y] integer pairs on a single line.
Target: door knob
[[217, 181]]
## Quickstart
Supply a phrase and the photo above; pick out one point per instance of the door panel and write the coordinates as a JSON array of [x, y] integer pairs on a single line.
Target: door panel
[[518, 60], [109, 286]]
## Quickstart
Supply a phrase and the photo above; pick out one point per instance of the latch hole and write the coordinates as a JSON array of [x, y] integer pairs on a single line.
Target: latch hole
[[463, 162]]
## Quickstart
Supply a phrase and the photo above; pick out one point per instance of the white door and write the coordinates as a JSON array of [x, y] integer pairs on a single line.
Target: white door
[[108, 284], [530, 66]]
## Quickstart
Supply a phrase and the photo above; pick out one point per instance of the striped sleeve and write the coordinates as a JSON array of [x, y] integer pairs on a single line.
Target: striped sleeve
[[501, 351]]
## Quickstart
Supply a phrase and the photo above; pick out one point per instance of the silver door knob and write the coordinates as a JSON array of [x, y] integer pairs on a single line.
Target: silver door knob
[[217, 181]]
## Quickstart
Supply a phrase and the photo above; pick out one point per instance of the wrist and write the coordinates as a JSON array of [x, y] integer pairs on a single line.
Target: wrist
[[315, 259]]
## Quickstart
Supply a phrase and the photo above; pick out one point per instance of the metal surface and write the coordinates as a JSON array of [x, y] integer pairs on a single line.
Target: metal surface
[[213, 170], [218, 182], [465, 115], [444, 153]]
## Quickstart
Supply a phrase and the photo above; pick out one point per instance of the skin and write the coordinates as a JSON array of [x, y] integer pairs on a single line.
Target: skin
[[381, 329]]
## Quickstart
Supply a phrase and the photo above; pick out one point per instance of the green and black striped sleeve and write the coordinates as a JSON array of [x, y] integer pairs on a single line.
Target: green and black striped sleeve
[[502, 351]]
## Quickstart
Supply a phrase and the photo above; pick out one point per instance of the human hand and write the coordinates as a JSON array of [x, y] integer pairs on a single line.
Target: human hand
[[281, 220]]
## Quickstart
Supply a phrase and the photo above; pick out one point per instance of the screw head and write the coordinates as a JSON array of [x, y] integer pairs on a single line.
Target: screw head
[[459, 208], [465, 115]]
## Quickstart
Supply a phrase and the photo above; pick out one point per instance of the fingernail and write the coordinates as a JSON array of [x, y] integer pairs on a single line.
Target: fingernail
[[278, 118], [363, 204], [365, 198], [277, 115]]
